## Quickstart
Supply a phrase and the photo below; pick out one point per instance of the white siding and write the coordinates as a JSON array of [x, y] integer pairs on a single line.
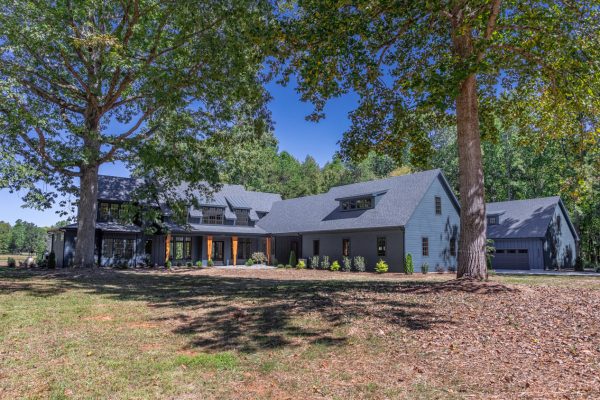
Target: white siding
[[439, 229]]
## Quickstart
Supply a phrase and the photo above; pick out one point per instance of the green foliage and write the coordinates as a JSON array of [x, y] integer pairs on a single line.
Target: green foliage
[[199, 264], [359, 264], [250, 262], [578, 264], [168, 264], [424, 268], [490, 251], [292, 261], [217, 361], [409, 267], [259, 257], [347, 264], [325, 262], [11, 262], [301, 265], [335, 266], [4, 237], [314, 262], [381, 267], [189, 264], [280, 266], [51, 260], [210, 263]]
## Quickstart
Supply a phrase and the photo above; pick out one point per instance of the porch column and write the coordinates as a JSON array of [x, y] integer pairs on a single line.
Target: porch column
[[209, 247], [234, 243], [269, 250], [168, 247]]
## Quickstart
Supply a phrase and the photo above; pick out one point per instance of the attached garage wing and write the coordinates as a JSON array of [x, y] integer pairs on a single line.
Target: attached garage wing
[[511, 259]]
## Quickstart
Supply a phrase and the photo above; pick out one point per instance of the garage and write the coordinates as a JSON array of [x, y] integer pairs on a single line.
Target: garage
[[511, 259]]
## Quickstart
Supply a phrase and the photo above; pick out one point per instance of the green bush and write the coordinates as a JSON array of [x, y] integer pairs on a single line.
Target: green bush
[[301, 265], [578, 264], [280, 266], [409, 267], [347, 262], [293, 260], [335, 266], [189, 264], [325, 262], [381, 267], [425, 268], [259, 257], [51, 260], [168, 264], [210, 263], [249, 262], [274, 261], [359, 264], [314, 262], [199, 264], [288, 266], [11, 262]]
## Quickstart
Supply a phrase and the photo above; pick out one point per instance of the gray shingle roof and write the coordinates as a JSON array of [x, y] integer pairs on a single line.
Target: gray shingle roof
[[112, 227], [322, 213], [116, 188], [522, 218]]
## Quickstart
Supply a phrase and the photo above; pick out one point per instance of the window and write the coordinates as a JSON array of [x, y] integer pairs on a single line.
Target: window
[[212, 215], [453, 247], [499, 251], [438, 205], [346, 247], [425, 246], [107, 245], [115, 211], [511, 251], [181, 248], [492, 220], [316, 247], [523, 251], [118, 248], [357, 204], [148, 247], [381, 247], [104, 212], [242, 217], [244, 249], [558, 223]]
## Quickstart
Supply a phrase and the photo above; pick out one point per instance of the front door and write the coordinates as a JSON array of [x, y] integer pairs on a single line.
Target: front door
[[218, 251]]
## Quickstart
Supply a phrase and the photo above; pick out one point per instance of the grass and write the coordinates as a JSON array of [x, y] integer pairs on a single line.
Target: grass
[[293, 334], [18, 257]]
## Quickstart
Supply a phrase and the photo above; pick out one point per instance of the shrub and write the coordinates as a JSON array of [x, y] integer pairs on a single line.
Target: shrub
[[210, 263], [490, 251], [359, 264], [301, 264], [325, 262], [249, 262], [409, 267], [347, 262], [452, 268], [439, 269], [42, 262], [381, 267], [274, 261], [579, 264], [11, 262], [188, 264], [292, 260], [288, 266], [199, 264], [335, 266], [425, 268], [259, 257], [314, 262], [51, 260], [280, 266]]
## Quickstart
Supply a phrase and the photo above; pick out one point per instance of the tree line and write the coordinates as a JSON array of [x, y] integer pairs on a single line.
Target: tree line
[[22, 237]]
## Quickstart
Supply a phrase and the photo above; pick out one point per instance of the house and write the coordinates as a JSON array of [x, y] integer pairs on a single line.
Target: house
[[531, 234], [386, 219], [382, 219]]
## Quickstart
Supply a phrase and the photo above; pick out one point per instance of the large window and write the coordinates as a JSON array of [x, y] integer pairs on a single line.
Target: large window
[[242, 217], [381, 246], [181, 247], [425, 246], [109, 212], [244, 249], [119, 249], [346, 247], [316, 247], [438, 205], [212, 215], [357, 204]]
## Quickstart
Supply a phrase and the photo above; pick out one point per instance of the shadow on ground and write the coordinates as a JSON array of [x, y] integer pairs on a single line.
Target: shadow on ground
[[249, 314]]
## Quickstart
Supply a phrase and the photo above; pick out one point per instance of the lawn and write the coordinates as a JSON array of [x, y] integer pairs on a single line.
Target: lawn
[[215, 334]]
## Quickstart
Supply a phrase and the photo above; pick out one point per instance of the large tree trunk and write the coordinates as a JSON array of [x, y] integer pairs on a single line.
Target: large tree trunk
[[471, 247], [86, 217]]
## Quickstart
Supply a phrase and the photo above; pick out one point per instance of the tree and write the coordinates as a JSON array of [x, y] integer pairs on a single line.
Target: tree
[[167, 74], [415, 64], [4, 237]]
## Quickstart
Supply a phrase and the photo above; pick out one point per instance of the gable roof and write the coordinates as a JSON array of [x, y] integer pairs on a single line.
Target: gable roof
[[528, 218], [117, 188], [397, 199]]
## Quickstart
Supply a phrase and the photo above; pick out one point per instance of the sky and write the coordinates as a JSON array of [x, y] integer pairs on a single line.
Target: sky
[[296, 136]]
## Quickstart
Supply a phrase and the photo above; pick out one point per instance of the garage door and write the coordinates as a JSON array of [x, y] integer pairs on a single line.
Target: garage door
[[511, 259]]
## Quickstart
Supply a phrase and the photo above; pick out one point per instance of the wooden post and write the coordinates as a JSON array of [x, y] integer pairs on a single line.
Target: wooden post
[[209, 247], [269, 250], [234, 247], [168, 247]]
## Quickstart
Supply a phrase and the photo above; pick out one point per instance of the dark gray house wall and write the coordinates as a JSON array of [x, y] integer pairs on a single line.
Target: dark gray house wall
[[439, 229], [560, 245], [362, 243], [533, 246]]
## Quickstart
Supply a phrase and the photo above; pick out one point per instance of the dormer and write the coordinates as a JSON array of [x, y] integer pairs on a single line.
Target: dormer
[[493, 218], [363, 201]]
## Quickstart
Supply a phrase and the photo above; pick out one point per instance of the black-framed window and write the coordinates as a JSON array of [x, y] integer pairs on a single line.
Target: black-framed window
[[558, 223], [438, 205], [425, 246], [109, 211], [346, 247], [316, 247], [244, 249], [212, 215], [118, 248], [453, 247], [499, 251], [242, 217], [523, 251], [181, 248], [357, 204], [493, 220], [381, 247]]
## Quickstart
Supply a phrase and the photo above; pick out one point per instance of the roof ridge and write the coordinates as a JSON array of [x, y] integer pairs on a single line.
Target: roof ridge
[[529, 199], [389, 178]]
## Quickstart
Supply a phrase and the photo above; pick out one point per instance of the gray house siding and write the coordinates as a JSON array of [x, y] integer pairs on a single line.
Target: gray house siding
[[535, 255], [58, 247], [69, 248], [284, 245], [560, 245], [439, 229], [362, 243]]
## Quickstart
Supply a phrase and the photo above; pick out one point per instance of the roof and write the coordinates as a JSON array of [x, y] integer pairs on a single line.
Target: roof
[[321, 213], [111, 227], [528, 218], [116, 188]]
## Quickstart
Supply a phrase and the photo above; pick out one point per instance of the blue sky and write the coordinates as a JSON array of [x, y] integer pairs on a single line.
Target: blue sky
[[296, 135]]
